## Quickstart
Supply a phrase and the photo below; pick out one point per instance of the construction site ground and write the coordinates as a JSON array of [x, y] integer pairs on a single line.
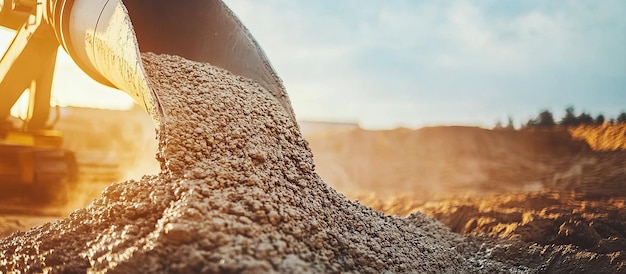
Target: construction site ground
[[557, 190]]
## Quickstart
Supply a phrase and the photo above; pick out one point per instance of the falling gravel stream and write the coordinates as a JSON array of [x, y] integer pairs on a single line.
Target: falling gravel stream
[[238, 192]]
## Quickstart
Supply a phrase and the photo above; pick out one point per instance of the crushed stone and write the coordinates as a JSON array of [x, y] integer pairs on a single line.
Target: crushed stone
[[238, 192]]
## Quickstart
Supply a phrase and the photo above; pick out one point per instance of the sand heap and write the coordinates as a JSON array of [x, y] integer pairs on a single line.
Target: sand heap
[[238, 193]]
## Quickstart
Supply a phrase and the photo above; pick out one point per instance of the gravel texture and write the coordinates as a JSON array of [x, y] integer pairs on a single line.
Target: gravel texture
[[238, 192]]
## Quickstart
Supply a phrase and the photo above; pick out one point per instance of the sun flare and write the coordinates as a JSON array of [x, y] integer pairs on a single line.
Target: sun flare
[[71, 86]]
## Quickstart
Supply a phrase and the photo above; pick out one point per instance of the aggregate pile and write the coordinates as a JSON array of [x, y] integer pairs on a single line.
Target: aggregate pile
[[238, 192]]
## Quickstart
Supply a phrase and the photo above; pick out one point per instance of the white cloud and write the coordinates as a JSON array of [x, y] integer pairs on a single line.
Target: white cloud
[[525, 42], [388, 62]]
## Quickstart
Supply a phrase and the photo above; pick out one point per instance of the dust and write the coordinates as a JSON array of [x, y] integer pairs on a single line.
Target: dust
[[110, 146], [439, 162]]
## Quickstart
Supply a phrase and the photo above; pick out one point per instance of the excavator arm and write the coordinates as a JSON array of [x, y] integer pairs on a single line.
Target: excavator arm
[[28, 63]]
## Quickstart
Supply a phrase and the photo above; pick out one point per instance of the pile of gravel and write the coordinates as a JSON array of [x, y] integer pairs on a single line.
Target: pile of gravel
[[237, 192]]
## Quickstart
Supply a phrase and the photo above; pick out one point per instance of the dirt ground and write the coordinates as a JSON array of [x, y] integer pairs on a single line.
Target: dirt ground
[[527, 201], [542, 187], [546, 218]]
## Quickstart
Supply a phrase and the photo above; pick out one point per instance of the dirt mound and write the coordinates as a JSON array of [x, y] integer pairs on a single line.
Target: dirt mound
[[438, 162], [541, 217], [583, 206], [549, 219], [605, 137], [238, 193], [570, 225]]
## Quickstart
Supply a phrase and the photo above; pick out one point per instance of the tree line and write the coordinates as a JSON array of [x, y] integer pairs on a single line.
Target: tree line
[[545, 118]]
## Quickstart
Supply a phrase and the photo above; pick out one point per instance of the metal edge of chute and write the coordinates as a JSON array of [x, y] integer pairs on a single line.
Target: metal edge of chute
[[100, 38], [100, 35]]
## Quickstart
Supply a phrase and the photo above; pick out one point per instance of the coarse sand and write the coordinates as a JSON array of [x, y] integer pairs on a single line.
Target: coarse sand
[[238, 192]]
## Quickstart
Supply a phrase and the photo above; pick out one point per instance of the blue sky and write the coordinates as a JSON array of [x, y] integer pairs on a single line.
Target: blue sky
[[412, 63]]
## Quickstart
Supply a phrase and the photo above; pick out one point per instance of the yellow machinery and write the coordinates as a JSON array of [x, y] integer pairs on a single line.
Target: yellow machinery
[[32, 162], [105, 38]]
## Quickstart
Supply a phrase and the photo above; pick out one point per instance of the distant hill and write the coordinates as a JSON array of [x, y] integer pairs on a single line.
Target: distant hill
[[435, 162], [309, 127]]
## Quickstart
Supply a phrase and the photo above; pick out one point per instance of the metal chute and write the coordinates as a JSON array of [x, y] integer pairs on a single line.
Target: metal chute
[[105, 39]]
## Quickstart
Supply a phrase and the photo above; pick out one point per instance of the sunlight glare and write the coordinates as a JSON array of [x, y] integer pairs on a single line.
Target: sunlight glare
[[71, 86]]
